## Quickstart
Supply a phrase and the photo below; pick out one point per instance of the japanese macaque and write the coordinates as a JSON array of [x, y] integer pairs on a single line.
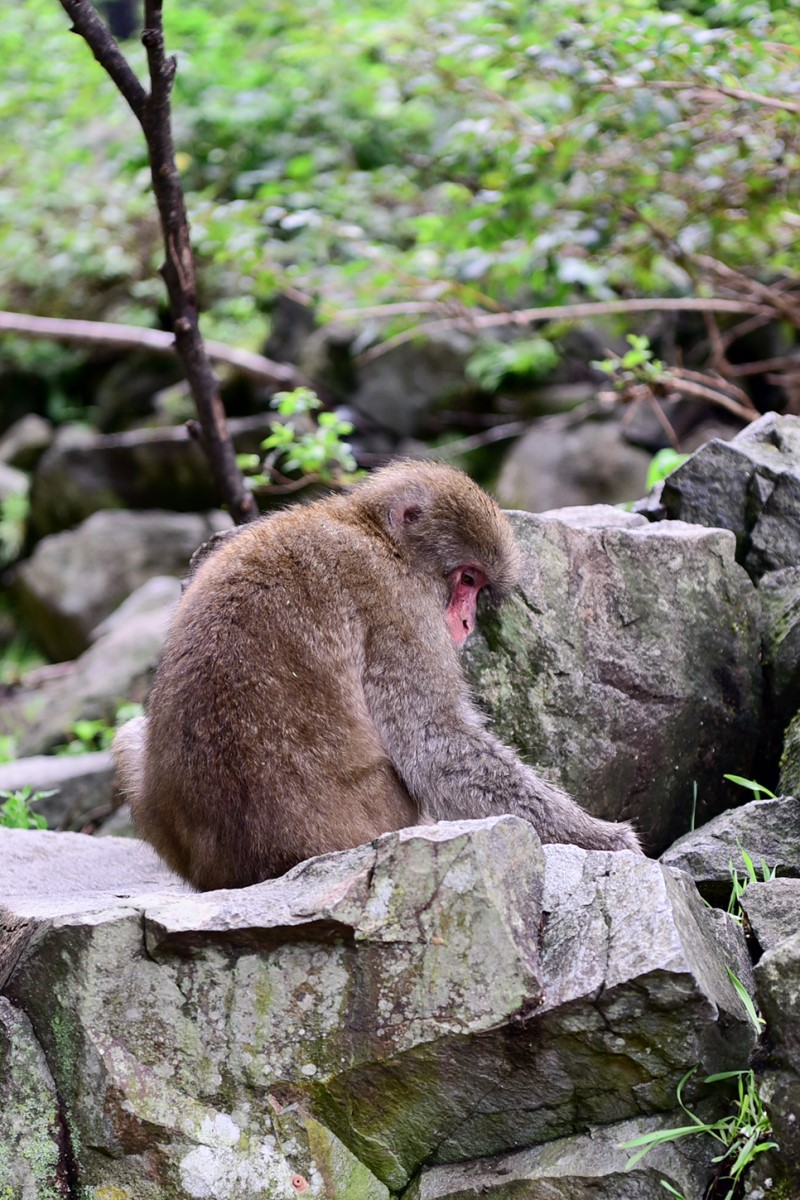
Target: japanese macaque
[[311, 696]]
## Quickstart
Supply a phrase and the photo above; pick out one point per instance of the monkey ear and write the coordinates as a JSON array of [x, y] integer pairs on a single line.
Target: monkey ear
[[407, 509], [404, 514]]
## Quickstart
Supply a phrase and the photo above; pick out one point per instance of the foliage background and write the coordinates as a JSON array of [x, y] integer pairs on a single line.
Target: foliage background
[[495, 152]]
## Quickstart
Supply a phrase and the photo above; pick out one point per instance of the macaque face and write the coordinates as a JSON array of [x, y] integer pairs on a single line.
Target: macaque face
[[465, 586]]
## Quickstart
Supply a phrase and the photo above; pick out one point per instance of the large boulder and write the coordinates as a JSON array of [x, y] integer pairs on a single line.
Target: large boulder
[[83, 472], [118, 668], [790, 760], [627, 666], [767, 831], [750, 485], [778, 986], [76, 578], [562, 462], [445, 993], [400, 387]]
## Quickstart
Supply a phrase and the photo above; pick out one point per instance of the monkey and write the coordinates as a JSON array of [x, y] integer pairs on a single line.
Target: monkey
[[311, 697]]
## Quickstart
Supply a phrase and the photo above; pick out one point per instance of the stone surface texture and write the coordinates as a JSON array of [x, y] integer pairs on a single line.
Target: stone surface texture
[[446, 993], [768, 830], [627, 668], [73, 580]]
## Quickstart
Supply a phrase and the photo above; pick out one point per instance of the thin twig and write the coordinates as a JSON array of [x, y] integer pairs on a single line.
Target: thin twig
[[566, 312], [766, 364], [689, 388], [709, 380], [476, 441], [708, 91]]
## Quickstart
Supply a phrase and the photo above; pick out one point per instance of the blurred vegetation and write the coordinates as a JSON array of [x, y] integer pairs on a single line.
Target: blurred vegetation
[[492, 152]]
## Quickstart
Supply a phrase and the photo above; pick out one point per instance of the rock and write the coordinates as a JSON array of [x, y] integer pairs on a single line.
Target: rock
[[588, 1166], [559, 463], [440, 995], [31, 1125], [156, 596], [116, 669], [12, 482], [779, 592], [84, 472], [23, 444], [82, 783], [627, 667], [768, 830], [399, 388], [119, 823], [750, 485], [45, 874], [76, 578], [778, 986], [790, 759], [771, 909]]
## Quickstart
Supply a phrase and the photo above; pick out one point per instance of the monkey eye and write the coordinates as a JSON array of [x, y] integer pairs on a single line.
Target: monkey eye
[[468, 579]]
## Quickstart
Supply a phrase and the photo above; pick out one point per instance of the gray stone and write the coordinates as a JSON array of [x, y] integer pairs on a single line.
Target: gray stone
[[627, 667], [82, 783], [779, 592], [54, 875], [118, 668], [559, 463], [118, 824], [790, 760], [768, 830], [750, 485], [417, 1000], [772, 910], [31, 1128], [778, 989], [210, 1031], [589, 1166], [12, 482], [156, 596], [76, 578], [24, 442], [84, 471], [399, 388]]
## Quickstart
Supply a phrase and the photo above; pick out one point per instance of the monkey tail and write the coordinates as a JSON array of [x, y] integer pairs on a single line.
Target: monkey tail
[[128, 751]]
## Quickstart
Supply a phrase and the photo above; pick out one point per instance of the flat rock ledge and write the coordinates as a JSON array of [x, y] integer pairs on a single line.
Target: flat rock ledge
[[453, 1010]]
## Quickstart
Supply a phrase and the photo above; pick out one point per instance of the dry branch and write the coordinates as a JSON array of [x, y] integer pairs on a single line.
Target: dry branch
[[557, 312], [135, 337], [152, 110]]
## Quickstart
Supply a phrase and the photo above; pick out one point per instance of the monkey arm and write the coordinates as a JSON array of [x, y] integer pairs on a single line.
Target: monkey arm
[[455, 768]]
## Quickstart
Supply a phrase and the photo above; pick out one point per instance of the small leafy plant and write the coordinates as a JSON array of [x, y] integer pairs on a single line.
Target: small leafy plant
[[740, 883], [318, 453], [637, 365], [16, 811], [8, 748], [87, 736], [529, 358], [13, 523], [662, 464], [751, 786], [743, 1134]]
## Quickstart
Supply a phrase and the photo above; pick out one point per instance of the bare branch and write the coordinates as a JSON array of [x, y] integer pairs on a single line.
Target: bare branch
[[153, 113], [135, 337], [87, 23], [712, 91], [564, 312]]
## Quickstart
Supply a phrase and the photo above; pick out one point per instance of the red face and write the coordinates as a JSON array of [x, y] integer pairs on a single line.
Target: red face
[[465, 587]]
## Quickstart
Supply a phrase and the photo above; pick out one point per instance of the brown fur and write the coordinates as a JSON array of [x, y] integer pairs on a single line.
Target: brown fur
[[310, 696]]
